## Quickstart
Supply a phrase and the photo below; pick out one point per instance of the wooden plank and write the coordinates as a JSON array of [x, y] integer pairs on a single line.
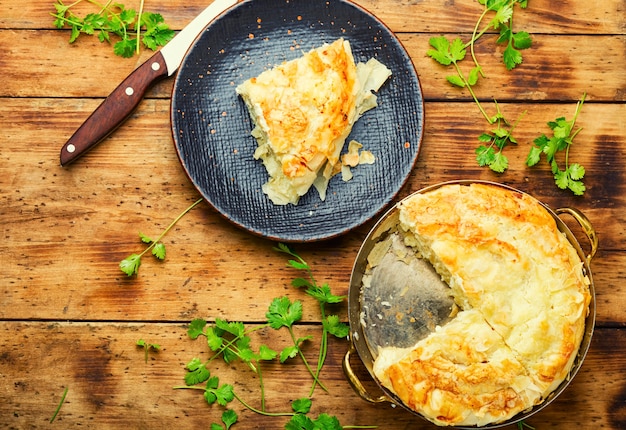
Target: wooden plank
[[111, 386], [556, 68], [541, 16], [76, 224]]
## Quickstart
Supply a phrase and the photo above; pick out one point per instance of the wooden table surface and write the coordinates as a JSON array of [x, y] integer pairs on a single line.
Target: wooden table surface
[[70, 319]]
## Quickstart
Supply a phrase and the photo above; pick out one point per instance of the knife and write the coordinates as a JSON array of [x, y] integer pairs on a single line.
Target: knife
[[118, 106]]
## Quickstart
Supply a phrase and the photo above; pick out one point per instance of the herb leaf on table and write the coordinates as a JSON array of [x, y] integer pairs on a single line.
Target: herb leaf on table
[[114, 19], [563, 133], [492, 143]]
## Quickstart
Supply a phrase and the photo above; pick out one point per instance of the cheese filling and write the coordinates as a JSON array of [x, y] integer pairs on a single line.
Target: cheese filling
[[303, 111], [523, 297]]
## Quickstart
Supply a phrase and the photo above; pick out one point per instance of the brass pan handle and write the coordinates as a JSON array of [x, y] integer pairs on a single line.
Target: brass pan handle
[[585, 224], [355, 382]]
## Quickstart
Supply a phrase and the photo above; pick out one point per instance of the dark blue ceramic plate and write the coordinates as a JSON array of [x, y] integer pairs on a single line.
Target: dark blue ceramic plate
[[211, 126]]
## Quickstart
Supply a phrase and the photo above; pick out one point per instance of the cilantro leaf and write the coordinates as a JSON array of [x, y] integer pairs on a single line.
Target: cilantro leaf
[[283, 313], [500, 162], [576, 171], [125, 48], [522, 40], [485, 155], [229, 417], [144, 238], [302, 406], [324, 295], [215, 393], [445, 52], [327, 422], [197, 372], [214, 338], [158, 250], [236, 328], [300, 422], [266, 353], [534, 156], [196, 328], [570, 177], [288, 352], [130, 265], [336, 327], [511, 57]]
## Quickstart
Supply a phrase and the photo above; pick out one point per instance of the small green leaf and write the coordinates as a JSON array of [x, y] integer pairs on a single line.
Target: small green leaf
[[577, 187], [283, 313], [485, 155], [561, 179], [302, 406], [196, 328], [125, 48], [130, 265], [441, 51], [500, 163], [511, 57], [327, 422], [158, 250], [266, 353], [229, 417], [288, 352], [534, 156], [522, 40], [214, 338], [144, 238], [473, 76], [457, 50], [576, 171], [336, 327], [300, 422], [197, 372], [455, 80]]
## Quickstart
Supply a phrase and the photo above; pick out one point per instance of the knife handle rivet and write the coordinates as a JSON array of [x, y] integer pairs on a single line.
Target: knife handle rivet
[[129, 91], [155, 66], [70, 148]]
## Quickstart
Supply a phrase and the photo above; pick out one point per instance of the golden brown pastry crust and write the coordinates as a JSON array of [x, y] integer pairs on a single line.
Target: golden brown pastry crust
[[303, 111], [502, 255]]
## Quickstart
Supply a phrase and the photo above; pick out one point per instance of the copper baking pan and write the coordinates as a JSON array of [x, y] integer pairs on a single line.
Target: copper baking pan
[[365, 338]]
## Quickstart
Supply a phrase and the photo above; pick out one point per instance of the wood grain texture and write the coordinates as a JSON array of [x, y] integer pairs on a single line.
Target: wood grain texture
[[111, 386], [70, 318]]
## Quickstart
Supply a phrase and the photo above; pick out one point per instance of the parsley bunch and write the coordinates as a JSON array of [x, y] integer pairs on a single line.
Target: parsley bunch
[[231, 341], [114, 19], [570, 177], [330, 323], [451, 52]]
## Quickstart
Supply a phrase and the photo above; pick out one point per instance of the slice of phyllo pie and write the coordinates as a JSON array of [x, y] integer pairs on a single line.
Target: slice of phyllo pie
[[303, 110]]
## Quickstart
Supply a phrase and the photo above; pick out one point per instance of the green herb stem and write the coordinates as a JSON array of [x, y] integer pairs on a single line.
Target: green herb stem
[[262, 412], [56, 412], [323, 350], [138, 27], [304, 360], [172, 224]]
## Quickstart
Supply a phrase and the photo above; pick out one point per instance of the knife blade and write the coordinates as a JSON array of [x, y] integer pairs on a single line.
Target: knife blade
[[118, 106]]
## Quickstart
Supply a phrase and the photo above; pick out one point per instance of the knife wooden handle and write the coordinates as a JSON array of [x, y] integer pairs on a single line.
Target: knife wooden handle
[[114, 109]]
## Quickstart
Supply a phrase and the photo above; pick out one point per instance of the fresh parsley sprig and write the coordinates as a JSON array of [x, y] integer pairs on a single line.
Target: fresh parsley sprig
[[114, 19], [322, 293], [231, 341], [563, 133], [130, 265], [451, 52]]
